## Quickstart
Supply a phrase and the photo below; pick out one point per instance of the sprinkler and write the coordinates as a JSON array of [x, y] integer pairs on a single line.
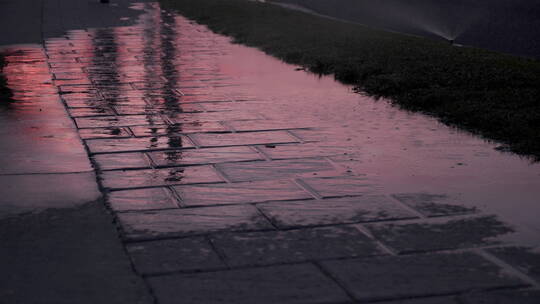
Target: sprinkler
[[451, 41]]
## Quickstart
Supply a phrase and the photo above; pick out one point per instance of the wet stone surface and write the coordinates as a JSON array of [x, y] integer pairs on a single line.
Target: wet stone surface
[[225, 192], [426, 235], [187, 254], [138, 144], [434, 204], [204, 156], [263, 170], [409, 276], [142, 199], [504, 297], [191, 221], [527, 260], [334, 211], [124, 179], [294, 284], [240, 193], [240, 139], [121, 161], [266, 248]]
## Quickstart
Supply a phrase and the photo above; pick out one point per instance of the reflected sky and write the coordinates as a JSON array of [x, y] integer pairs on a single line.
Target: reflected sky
[[165, 77]]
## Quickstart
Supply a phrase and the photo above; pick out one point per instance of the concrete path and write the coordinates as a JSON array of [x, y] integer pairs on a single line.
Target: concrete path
[[59, 243], [224, 192]]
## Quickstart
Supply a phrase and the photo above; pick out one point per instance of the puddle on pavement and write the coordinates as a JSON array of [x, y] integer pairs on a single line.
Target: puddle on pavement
[[166, 65]]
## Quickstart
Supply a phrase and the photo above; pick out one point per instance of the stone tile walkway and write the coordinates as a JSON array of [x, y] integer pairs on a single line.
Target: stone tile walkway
[[217, 203]]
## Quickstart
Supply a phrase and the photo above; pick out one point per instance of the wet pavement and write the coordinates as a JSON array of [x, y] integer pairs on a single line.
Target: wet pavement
[[236, 178]]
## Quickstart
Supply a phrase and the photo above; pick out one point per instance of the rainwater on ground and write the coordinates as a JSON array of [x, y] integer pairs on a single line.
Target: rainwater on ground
[[204, 82]]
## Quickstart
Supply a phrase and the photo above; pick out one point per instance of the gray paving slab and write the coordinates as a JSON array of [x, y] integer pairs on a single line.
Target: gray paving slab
[[165, 256], [240, 139], [240, 193], [334, 211], [185, 128], [428, 300], [279, 169], [527, 260], [125, 179], [426, 235], [420, 275], [434, 204], [113, 161], [296, 284], [205, 156], [111, 145], [114, 132], [191, 221], [503, 297], [142, 199], [275, 247], [336, 186]]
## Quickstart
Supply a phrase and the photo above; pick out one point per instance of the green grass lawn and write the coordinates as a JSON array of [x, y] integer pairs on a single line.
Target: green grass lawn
[[487, 93]]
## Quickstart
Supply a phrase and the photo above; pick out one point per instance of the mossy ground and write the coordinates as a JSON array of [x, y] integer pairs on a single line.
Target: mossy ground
[[488, 93]]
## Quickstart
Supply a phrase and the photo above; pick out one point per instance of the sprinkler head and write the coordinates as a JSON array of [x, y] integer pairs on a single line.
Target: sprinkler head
[[451, 41]]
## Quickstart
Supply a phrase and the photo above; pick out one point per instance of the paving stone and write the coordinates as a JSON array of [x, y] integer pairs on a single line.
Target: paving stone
[[85, 112], [121, 161], [242, 139], [328, 187], [385, 278], [135, 110], [301, 151], [334, 211], [159, 177], [186, 128], [204, 156], [272, 247], [142, 199], [240, 193], [74, 103], [434, 204], [186, 254], [265, 125], [527, 260], [440, 234], [291, 284], [504, 297], [429, 300], [215, 116], [103, 133], [278, 169], [110, 145], [191, 221], [118, 121]]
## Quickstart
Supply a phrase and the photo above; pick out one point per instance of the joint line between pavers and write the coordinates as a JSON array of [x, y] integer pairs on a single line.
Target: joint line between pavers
[[261, 152], [228, 126], [129, 131], [380, 244], [195, 143], [307, 188], [176, 197], [334, 279], [276, 227], [411, 209], [221, 174], [216, 249], [149, 160], [507, 267], [300, 140]]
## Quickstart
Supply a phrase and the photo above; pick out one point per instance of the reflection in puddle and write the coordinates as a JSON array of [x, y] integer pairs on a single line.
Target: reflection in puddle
[[167, 92]]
